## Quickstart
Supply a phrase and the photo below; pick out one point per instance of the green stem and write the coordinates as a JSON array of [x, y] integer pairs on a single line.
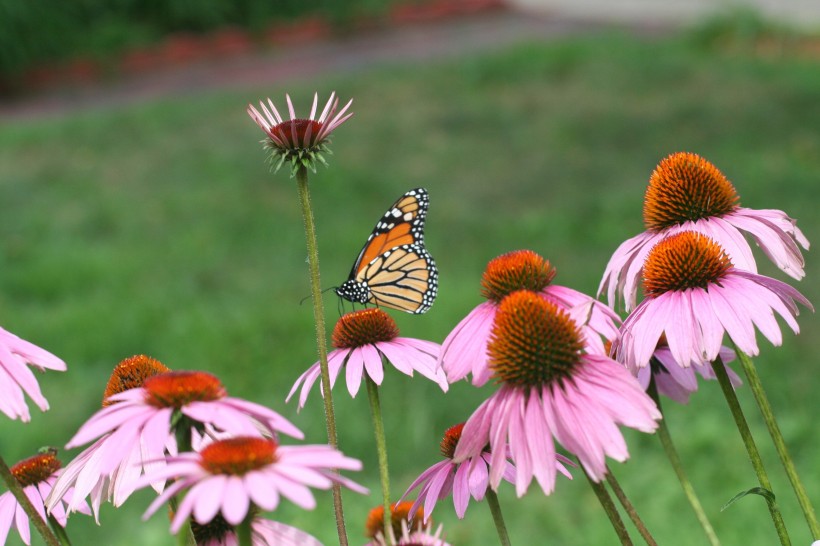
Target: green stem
[[244, 533], [751, 448], [59, 531], [498, 518], [381, 447], [184, 436], [629, 508], [611, 511], [33, 516], [321, 336], [777, 438], [677, 466]]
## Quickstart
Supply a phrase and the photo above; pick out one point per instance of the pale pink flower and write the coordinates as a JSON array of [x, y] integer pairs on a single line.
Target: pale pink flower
[[16, 378], [688, 193], [411, 535], [361, 339], [551, 387], [228, 477], [464, 351], [679, 382], [694, 296], [299, 141], [37, 475], [470, 478]]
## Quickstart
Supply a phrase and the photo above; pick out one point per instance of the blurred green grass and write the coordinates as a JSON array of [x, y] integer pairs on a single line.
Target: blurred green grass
[[157, 228]]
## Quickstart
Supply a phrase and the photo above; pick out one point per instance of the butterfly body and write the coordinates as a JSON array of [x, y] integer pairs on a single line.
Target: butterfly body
[[393, 268]]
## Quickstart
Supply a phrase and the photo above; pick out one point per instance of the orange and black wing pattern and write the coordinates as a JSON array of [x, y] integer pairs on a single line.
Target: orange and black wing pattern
[[393, 268]]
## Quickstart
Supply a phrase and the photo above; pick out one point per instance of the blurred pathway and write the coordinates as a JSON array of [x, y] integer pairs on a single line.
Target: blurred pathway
[[417, 42]]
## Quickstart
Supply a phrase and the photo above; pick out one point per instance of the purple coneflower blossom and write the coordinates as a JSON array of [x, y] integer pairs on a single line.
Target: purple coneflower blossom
[[464, 351], [678, 382], [416, 535], [228, 477], [16, 378], [264, 532], [694, 295], [98, 471], [299, 141], [688, 193], [37, 475], [362, 338], [470, 478], [551, 387], [400, 516]]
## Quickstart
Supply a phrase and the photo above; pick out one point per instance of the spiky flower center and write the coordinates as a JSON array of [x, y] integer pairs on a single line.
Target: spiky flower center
[[212, 532], [294, 132], [131, 373], [682, 261], [517, 270], [176, 389], [533, 342], [685, 187], [36, 469], [450, 440], [398, 512], [238, 456], [364, 327]]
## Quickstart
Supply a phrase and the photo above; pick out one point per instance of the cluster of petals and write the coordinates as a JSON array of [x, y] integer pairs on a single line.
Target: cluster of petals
[[582, 413], [291, 474], [679, 382], [464, 351], [265, 532], [270, 121], [406, 354], [695, 320], [16, 377], [13, 515], [415, 535]]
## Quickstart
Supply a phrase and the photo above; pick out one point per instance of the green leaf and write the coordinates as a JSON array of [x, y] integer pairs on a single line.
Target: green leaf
[[763, 492]]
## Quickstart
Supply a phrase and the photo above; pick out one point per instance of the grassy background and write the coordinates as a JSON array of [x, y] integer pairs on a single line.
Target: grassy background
[[156, 228]]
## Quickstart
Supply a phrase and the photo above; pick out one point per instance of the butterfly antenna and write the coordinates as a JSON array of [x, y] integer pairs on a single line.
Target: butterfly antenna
[[323, 291]]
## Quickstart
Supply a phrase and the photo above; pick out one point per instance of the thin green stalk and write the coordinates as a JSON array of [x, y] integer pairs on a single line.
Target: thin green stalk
[[381, 447], [751, 448], [611, 511], [33, 516], [777, 438], [321, 336], [243, 530], [59, 531], [498, 518], [677, 466], [629, 508]]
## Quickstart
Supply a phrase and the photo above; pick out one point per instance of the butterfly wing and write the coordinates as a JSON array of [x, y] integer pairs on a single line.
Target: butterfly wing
[[393, 268]]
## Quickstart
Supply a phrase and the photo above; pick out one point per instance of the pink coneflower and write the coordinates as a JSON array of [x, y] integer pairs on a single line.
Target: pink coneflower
[[678, 382], [464, 351], [688, 193], [401, 514], [37, 475], [470, 478], [415, 535], [102, 470], [229, 477], [362, 338], [694, 295], [551, 387], [299, 141], [16, 378], [264, 532]]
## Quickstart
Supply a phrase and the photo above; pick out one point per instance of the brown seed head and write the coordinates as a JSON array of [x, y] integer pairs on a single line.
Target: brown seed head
[[175, 389], [238, 456], [131, 373], [364, 327], [517, 270], [682, 261]]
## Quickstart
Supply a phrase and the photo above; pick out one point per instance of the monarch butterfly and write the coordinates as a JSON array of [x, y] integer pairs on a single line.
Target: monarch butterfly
[[393, 268]]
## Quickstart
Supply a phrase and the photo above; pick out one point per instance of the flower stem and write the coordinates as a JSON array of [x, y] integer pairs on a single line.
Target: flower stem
[[677, 466], [381, 447], [243, 530], [33, 516], [629, 508], [59, 531], [321, 336], [611, 511], [751, 448], [182, 431], [498, 518], [777, 438]]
